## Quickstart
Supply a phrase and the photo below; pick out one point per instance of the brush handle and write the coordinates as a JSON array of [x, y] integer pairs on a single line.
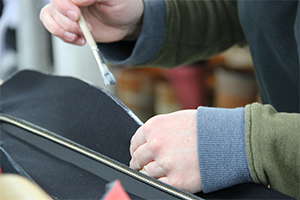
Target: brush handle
[[106, 74], [86, 32], [90, 40]]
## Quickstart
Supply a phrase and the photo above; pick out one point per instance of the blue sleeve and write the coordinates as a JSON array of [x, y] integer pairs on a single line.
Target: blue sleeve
[[221, 148], [148, 43]]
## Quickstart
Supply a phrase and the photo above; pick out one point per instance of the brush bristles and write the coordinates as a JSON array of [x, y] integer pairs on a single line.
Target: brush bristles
[[109, 78]]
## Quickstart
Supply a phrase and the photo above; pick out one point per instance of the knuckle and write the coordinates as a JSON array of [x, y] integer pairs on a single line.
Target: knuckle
[[57, 32], [154, 145], [158, 118], [146, 129], [44, 11], [167, 163], [132, 163], [154, 120], [151, 125], [69, 27]]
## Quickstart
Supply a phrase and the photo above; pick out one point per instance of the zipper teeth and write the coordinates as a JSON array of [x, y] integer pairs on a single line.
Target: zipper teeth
[[91, 155]]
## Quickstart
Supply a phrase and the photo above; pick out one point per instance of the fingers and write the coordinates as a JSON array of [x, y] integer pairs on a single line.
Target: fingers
[[137, 140], [66, 8], [141, 157], [61, 26], [164, 179], [60, 18], [65, 22], [154, 170], [165, 148]]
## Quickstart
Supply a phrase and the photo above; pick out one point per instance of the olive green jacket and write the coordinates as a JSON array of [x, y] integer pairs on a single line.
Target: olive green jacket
[[197, 31], [272, 142], [202, 29]]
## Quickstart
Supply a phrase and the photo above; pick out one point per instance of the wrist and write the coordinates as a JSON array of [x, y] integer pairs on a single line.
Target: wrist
[[134, 31]]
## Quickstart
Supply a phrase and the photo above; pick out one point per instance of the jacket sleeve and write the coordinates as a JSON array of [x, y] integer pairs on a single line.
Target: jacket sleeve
[[175, 32], [272, 143], [197, 30], [221, 148]]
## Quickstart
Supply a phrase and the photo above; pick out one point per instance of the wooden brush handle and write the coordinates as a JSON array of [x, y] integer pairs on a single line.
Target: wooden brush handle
[[86, 32]]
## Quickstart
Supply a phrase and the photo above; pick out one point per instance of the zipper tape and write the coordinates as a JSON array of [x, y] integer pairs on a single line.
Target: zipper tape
[[90, 160]]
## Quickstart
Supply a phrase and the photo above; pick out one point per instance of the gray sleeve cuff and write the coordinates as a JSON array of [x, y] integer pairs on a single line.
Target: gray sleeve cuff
[[221, 148], [148, 43]]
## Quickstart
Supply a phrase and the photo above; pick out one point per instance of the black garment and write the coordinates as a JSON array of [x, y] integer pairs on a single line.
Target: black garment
[[90, 117], [1, 8], [272, 32]]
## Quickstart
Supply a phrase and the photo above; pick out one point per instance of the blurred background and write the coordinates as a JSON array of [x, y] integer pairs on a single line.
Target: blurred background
[[226, 81]]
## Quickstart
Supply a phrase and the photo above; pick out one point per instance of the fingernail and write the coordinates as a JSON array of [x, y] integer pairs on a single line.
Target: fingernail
[[72, 15], [80, 41], [69, 36]]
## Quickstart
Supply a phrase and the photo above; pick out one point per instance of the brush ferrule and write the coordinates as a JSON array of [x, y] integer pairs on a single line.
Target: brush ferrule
[[94, 48]]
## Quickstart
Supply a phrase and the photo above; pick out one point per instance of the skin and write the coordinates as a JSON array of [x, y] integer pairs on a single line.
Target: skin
[[165, 147], [108, 21]]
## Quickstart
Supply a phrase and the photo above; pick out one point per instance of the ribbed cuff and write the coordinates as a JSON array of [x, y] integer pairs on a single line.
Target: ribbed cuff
[[148, 43], [221, 148]]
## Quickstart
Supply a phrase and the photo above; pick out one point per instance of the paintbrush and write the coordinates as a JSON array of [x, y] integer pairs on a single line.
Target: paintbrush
[[108, 77]]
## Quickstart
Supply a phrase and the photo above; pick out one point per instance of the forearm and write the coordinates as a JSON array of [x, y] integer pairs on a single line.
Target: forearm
[[197, 30], [176, 32], [273, 148]]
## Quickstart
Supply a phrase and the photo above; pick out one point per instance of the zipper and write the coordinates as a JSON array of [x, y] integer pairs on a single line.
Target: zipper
[[65, 143]]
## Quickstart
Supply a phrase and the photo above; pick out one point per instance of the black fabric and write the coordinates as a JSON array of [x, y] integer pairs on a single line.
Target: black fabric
[[271, 31], [245, 191], [89, 116], [77, 111], [105, 173], [1, 8], [9, 165], [73, 109], [58, 178]]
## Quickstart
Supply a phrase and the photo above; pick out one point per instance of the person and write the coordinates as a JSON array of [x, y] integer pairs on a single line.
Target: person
[[204, 149]]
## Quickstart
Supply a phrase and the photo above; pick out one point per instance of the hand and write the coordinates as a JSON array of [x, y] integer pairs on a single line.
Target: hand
[[165, 148], [108, 20]]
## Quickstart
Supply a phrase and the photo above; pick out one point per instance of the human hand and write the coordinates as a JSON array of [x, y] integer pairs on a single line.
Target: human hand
[[165, 148], [108, 20]]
